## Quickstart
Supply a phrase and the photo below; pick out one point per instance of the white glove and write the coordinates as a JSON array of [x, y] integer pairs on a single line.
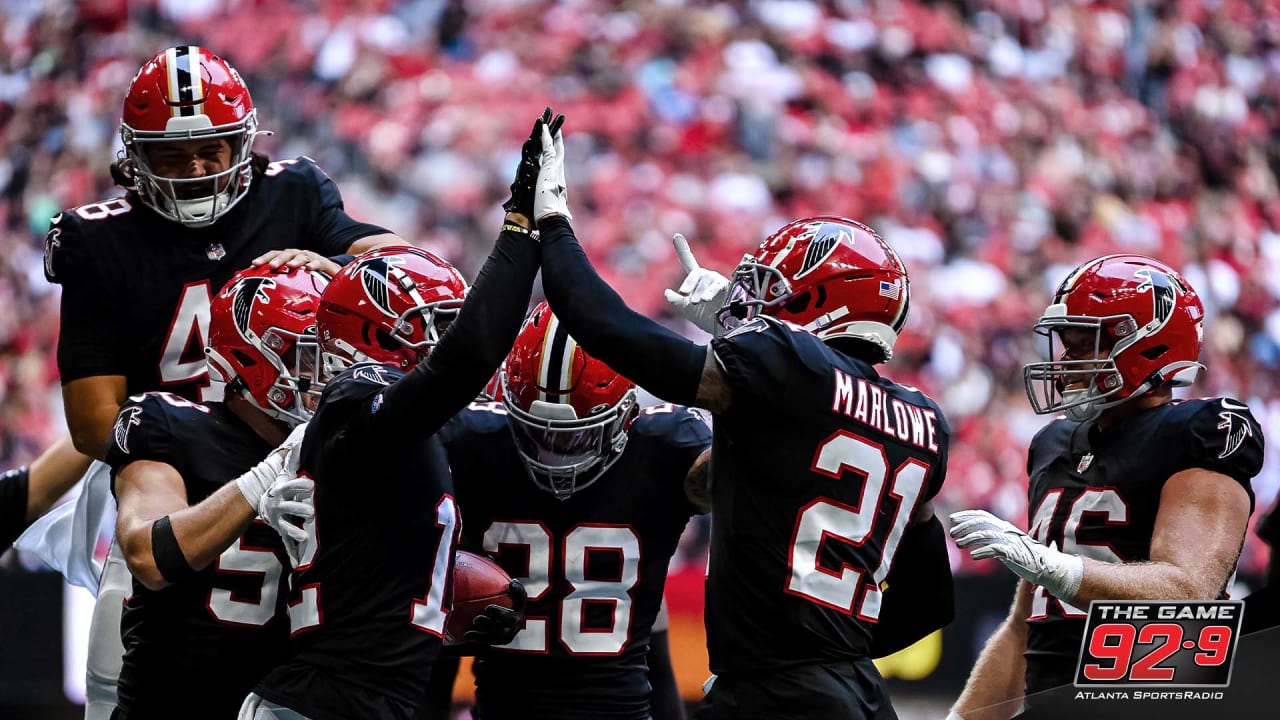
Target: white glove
[[702, 293], [281, 461], [552, 194], [988, 536], [289, 496], [953, 715]]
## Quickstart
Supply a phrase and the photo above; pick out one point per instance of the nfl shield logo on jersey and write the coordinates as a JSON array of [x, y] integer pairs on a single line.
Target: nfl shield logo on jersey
[[1084, 463]]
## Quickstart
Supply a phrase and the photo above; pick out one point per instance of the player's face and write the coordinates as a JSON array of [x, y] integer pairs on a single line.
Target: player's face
[[188, 160], [1082, 344]]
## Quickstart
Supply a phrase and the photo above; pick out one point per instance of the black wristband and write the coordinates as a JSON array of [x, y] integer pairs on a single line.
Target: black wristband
[[170, 561], [343, 259], [512, 227]]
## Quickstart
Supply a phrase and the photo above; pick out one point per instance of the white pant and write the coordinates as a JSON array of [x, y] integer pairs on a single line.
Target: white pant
[[65, 537], [255, 708], [106, 651]]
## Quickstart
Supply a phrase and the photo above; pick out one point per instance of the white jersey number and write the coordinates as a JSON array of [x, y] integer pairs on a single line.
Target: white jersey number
[[1102, 501], [427, 613], [825, 519], [241, 559], [189, 328], [584, 537]]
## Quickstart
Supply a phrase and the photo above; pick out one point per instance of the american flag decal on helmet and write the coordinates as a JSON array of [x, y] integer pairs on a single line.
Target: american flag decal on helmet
[[891, 290]]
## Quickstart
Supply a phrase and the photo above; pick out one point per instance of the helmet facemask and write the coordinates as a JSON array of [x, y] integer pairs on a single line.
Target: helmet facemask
[[1080, 388], [1099, 381], [752, 283], [296, 393], [564, 454], [193, 202], [399, 346], [295, 359]]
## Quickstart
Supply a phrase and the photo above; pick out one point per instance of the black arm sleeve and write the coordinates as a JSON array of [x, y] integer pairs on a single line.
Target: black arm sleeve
[[646, 353], [920, 597], [665, 702], [473, 346]]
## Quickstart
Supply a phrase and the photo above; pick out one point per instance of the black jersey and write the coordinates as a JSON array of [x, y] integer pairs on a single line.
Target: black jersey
[[136, 287], [818, 466], [369, 597], [1096, 494], [197, 647], [594, 565]]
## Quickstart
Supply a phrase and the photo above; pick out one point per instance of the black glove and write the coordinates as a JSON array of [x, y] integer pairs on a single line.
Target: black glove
[[499, 625], [522, 188]]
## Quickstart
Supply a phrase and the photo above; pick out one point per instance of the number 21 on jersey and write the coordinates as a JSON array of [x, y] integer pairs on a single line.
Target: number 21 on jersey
[[824, 519]]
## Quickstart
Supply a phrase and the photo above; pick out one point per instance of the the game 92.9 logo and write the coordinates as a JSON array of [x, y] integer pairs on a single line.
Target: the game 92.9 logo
[[1169, 644]]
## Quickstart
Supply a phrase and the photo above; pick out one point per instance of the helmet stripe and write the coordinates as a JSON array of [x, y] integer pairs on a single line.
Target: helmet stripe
[[171, 66], [197, 82], [183, 73], [566, 369], [544, 362], [557, 362]]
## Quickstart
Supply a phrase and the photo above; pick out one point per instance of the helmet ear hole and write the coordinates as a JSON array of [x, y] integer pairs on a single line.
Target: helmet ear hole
[[385, 341], [799, 303], [243, 357], [1154, 352]]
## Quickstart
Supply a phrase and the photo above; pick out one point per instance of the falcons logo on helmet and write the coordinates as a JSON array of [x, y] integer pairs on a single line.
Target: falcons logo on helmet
[[127, 419], [247, 291], [1164, 293], [1237, 428], [376, 276], [820, 248]]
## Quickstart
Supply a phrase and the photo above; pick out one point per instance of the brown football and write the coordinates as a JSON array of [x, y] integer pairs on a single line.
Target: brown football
[[477, 583]]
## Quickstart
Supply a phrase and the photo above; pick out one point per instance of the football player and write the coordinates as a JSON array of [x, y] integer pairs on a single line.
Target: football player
[[822, 471], [1133, 495], [372, 592], [581, 496], [138, 273], [206, 620]]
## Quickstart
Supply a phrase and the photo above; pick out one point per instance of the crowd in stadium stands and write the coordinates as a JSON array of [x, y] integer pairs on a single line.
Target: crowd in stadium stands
[[994, 143]]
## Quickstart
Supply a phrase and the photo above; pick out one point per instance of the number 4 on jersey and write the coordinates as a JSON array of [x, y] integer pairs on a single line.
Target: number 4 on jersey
[[183, 358]]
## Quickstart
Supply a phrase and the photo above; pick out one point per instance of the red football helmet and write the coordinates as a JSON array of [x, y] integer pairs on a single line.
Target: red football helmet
[[569, 412], [832, 276], [1146, 324], [188, 93], [262, 340], [389, 305]]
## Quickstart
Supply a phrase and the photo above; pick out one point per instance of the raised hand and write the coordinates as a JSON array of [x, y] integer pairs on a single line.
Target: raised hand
[[525, 183], [702, 293], [552, 194]]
